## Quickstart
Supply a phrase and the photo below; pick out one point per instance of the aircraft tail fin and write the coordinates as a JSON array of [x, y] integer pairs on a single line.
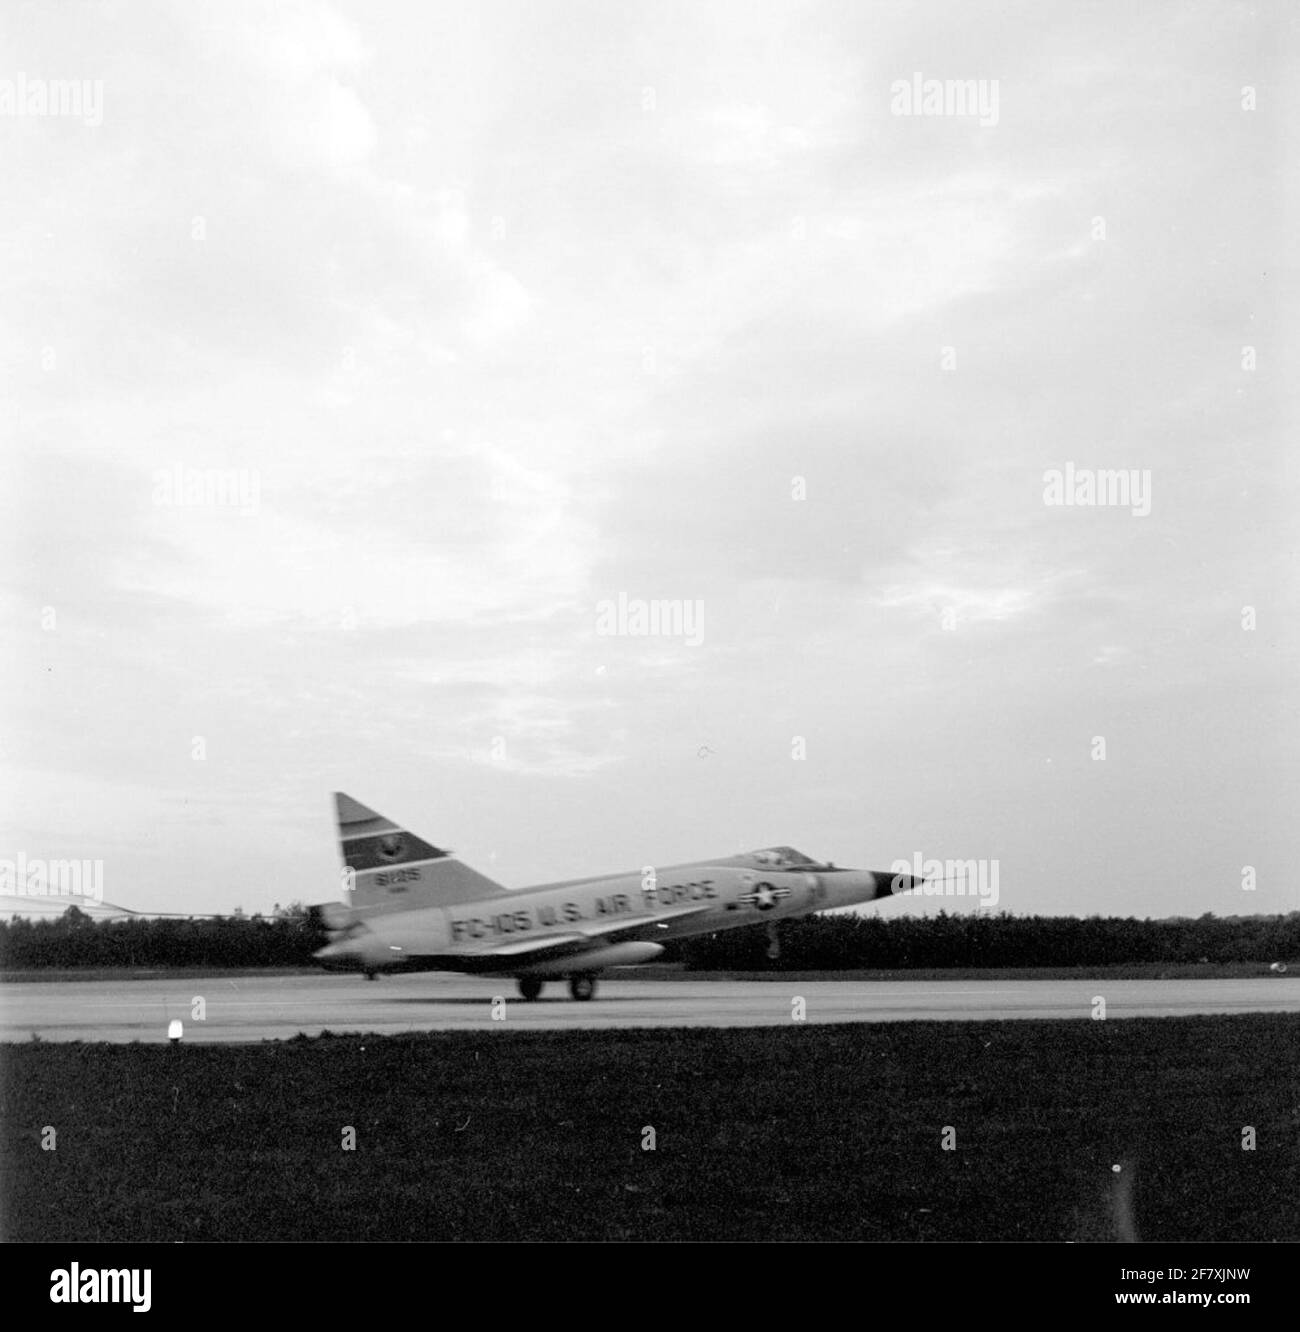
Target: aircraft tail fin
[[391, 869]]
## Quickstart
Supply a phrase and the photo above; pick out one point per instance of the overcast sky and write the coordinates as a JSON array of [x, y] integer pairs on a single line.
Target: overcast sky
[[505, 311]]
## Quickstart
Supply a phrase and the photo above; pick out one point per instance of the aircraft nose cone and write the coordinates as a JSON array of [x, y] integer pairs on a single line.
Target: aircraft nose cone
[[887, 883]]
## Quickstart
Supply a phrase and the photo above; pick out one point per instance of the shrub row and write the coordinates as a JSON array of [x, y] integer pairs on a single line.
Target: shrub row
[[845, 942], [973, 939]]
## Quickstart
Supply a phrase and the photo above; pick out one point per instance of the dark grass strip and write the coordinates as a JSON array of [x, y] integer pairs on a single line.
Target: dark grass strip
[[805, 1132]]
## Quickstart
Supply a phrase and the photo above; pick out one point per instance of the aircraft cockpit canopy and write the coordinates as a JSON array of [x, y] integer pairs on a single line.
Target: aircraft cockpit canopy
[[784, 857]]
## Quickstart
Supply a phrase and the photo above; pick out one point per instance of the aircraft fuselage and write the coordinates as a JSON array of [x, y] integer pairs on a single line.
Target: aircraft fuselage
[[715, 896]]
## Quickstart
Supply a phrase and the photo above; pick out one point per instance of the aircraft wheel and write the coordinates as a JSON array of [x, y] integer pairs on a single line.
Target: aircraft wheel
[[582, 986], [372, 975], [530, 986]]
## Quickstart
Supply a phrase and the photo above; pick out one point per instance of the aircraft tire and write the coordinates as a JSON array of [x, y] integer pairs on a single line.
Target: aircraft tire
[[530, 987], [582, 986]]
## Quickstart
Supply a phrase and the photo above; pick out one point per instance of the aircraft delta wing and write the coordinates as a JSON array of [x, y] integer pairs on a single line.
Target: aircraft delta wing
[[415, 907]]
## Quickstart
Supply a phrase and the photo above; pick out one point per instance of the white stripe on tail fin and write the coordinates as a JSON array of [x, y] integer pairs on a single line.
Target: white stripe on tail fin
[[391, 869]]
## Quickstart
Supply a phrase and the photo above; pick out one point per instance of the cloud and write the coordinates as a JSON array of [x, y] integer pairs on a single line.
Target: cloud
[[499, 336]]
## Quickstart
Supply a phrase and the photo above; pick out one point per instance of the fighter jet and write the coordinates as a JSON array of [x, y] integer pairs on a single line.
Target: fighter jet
[[414, 907]]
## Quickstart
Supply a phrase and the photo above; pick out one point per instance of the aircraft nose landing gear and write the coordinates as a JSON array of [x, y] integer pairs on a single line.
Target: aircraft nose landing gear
[[530, 987], [582, 986]]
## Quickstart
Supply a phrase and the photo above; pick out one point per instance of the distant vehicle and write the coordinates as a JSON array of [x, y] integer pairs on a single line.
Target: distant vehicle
[[414, 907]]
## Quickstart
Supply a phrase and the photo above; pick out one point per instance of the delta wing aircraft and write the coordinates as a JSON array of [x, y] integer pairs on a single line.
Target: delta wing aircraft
[[414, 907]]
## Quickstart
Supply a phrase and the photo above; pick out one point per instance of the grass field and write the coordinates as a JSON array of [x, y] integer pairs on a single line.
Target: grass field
[[799, 1132]]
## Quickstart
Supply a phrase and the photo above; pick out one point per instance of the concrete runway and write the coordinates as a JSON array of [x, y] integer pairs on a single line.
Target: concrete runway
[[252, 1008]]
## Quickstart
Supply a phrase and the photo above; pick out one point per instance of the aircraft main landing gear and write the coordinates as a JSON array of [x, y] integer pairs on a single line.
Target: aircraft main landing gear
[[773, 942], [583, 985], [530, 987]]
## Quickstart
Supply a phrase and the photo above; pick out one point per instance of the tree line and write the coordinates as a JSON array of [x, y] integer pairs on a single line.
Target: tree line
[[981, 939], [814, 943], [287, 939]]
